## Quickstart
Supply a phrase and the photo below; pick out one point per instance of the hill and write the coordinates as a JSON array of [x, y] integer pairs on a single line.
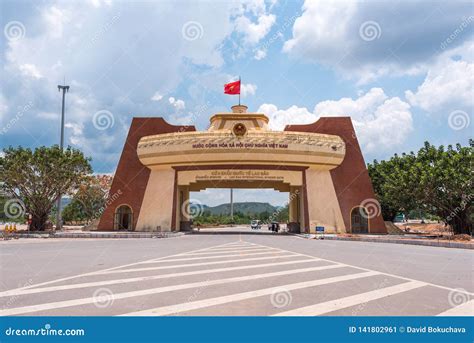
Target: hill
[[245, 208]]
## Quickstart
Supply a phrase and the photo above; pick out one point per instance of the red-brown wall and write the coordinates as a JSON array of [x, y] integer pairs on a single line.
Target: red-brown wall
[[351, 179], [131, 177]]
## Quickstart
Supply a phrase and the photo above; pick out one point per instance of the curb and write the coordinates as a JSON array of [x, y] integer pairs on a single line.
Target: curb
[[100, 235], [448, 244]]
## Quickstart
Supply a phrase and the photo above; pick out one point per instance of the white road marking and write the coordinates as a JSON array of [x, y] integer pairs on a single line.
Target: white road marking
[[108, 269], [384, 273], [233, 245], [167, 310], [89, 300], [214, 257], [198, 264], [145, 278], [201, 253], [466, 309], [236, 249], [337, 304]]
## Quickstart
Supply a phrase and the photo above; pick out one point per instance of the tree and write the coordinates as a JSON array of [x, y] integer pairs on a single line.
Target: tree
[[395, 182], [447, 184], [38, 178], [73, 212], [435, 180], [91, 196]]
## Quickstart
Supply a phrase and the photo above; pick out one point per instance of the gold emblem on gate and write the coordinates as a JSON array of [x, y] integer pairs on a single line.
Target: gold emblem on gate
[[239, 129]]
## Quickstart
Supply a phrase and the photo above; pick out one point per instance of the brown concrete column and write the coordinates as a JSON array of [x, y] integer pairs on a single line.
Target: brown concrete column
[[184, 209], [294, 210]]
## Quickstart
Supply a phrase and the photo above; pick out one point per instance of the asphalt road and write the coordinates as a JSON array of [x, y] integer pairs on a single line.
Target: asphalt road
[[232, 274]]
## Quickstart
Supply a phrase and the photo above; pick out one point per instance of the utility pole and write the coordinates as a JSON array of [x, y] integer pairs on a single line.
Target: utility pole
[[65, 89], [232, 204]]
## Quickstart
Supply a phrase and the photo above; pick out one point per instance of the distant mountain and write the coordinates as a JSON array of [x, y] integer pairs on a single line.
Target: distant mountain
[[242, 207]]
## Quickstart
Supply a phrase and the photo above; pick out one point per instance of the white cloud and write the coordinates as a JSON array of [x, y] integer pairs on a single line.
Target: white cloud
[[156, 97], [449, 83], [77, 135], [254, 32], [177, 103], [292, 115], [108, 52], [3, 107], [48, 115], [399, 39], [248, 89], [260, 54], [380, 122], [56, 19], [30, 70]]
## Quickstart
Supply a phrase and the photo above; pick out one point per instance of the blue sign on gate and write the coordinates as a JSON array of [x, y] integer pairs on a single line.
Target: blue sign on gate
[[320, 229]]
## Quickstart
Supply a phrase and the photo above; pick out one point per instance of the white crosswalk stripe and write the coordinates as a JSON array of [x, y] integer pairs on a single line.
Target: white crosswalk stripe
[[75, 302], [115, 271], [210, 252], [466, 309], [250, 267], [220, 256], [333, 305], [242, 296], [252, 248], [147, 278]]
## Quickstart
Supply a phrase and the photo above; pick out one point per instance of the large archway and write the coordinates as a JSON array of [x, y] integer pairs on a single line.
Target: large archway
[[239, 150]]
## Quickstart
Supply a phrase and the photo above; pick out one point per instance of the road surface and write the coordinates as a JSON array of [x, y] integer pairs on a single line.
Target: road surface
[[232, 274]]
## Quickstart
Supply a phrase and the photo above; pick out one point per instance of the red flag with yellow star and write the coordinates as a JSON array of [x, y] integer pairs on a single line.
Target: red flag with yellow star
[[232, 88]]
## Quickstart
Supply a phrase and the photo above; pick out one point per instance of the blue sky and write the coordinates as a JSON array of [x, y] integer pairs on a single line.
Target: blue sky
[[402, 70]]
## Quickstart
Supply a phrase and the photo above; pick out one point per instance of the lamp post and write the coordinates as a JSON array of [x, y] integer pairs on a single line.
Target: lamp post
[[65, 89]]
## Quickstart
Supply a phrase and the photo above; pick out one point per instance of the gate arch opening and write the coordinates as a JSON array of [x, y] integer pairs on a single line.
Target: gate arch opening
[[359, 220], [123, 218]]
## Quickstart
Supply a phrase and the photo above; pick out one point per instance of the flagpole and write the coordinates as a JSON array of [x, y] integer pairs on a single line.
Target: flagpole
[[240, 85]]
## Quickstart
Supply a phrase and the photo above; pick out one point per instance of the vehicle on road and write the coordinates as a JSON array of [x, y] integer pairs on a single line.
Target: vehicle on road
[[274, 226], [255, 225]]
